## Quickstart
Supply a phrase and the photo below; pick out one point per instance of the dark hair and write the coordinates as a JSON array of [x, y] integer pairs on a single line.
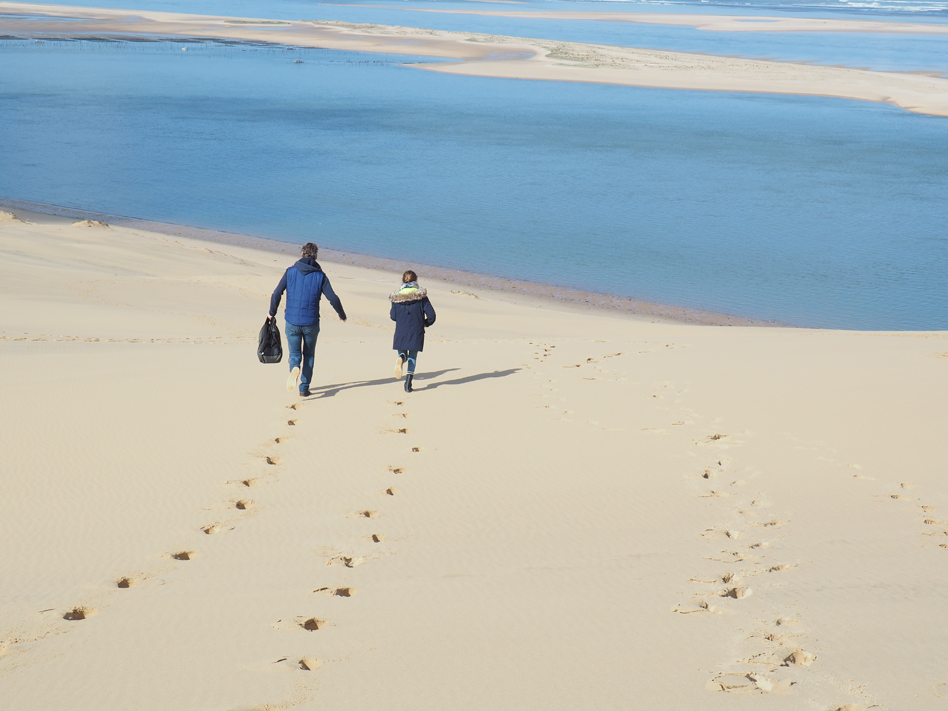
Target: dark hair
[[310, 251], [409, 276]]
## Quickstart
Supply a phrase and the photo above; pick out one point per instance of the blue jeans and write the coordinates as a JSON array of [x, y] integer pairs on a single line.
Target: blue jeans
[[301, 342], [411, 357]]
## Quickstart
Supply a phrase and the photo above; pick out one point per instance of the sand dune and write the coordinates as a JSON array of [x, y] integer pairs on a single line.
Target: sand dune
[[575, 509], [505, 57]]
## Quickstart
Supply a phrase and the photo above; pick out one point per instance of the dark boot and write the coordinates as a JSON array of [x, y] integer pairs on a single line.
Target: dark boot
[[408, 382]]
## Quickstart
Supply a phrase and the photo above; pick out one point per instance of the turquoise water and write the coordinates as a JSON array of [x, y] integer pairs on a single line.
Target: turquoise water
[[809, 211]]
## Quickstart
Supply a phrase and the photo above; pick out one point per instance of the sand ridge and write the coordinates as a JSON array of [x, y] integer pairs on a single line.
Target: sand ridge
[[506, 57]]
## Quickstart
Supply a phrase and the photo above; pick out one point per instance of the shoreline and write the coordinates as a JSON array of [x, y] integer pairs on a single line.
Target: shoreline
[[521, 288], [708, 23], [501, 57]]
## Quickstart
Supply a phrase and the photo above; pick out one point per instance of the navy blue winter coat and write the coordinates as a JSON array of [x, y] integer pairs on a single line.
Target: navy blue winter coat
[[304, 283], [412, 313]]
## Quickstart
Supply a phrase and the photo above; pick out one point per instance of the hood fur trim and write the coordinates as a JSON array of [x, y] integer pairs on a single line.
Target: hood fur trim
[[397, 297]]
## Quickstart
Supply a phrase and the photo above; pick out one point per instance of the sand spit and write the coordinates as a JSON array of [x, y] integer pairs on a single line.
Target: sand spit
[[504, 57], [592, 511], [713, 23]]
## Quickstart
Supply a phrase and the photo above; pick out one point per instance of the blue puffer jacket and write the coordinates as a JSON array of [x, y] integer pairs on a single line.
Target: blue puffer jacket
[[304, 283], [412, 313]]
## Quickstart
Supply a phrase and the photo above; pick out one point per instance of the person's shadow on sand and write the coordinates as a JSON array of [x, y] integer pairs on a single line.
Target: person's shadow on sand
[[469, 379], [331, 390]]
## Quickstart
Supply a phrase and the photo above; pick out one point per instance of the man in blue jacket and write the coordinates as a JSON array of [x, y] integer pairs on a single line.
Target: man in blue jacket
[[304, 284]]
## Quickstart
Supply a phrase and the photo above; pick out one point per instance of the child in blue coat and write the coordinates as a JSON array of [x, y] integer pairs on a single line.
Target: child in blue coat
[[412, 313]]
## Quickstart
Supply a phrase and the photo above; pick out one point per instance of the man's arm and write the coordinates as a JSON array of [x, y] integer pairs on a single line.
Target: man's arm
[[277, 295], [333, 299]]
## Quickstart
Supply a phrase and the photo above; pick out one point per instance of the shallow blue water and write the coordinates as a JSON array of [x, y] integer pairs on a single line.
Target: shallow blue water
[[809, 211], [885, 52]]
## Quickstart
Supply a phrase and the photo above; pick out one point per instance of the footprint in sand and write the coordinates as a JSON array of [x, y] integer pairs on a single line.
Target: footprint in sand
[[749, 683], [310, 664], [391, 491], [294, 406], [396, 470], [713, 470], [274, 460], [291, 423], [401, 430], [79, 613], [416, 449], [184, 555], [213, 528], [377, 537], [279, 440], [702, 606], [125, 583], [738, 593], [367, 514], [313, 624], [800, 658], [715, 440], [244, 504], [731, 533], [249, 482], [403, 415], [344, 592]]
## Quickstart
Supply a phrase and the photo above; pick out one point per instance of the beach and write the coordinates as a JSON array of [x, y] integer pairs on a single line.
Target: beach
[[500, 56], [576, 508]]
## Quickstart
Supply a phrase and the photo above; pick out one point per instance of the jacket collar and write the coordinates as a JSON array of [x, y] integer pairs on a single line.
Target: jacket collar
[[408, 293], [307, 265]]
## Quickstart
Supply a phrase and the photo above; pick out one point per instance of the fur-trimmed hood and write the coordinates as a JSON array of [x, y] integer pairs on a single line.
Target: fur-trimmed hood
[[405, 297]]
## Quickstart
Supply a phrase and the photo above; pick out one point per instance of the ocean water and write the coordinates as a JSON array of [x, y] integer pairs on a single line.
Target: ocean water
[[884, 52], [807, 211]]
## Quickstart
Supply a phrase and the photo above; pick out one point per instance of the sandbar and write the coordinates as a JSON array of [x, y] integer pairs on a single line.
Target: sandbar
[[501, 56], [713, 23]]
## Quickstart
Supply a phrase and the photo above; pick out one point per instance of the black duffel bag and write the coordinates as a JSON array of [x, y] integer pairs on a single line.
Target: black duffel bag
[[270, 348]]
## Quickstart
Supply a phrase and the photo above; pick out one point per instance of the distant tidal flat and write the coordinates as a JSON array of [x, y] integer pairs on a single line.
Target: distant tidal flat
[[806, 211]]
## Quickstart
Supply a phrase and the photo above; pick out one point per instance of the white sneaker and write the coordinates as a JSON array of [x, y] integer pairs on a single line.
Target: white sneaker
[[398, 368], [293, 382]]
